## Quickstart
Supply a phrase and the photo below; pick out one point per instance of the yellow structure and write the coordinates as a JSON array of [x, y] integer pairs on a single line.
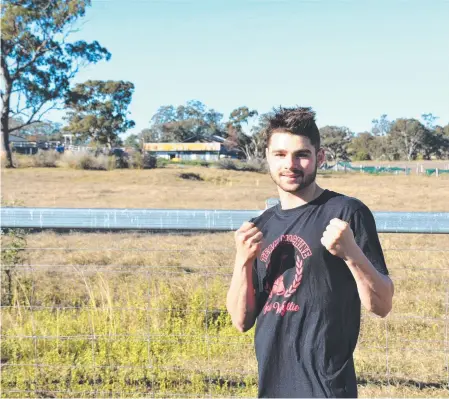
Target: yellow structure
[[187, 151], [175, 147]]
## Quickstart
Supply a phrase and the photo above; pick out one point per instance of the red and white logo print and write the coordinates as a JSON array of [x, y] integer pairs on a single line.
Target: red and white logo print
[[283, 258]]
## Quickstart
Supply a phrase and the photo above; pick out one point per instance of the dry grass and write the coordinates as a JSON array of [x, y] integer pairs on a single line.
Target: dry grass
[[115, 275], [163, 188], [173, 287]]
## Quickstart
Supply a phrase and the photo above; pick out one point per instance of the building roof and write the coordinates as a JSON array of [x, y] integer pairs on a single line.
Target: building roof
[[17, 138], [204, 139]]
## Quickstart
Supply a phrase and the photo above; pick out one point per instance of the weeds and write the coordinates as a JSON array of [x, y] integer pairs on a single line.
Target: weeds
[[13, 246], [46, 159], [254, 165], [87, 161], [136, 322]]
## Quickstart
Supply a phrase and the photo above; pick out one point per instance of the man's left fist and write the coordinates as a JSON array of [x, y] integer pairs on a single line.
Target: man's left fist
[[338, 239]]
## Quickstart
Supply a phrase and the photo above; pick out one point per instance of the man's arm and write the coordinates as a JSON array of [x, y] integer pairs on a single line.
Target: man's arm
[[375, 289], [241, 298]]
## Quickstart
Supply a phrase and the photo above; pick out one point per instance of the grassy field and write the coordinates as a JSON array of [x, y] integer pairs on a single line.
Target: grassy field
[[133, 315], [218, 189]]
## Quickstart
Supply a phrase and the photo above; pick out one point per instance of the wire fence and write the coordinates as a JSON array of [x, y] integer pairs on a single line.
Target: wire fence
[[407, 169], [138, 314]]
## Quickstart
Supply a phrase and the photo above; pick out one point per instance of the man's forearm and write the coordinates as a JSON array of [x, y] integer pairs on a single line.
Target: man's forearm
[[241, 301], [375, 289]]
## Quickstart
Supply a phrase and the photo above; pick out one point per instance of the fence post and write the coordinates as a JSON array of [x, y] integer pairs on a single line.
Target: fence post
[[436, 172]]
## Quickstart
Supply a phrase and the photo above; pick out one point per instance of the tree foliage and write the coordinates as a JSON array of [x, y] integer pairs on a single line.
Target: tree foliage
[[37, 61], [407, 136], [388, 140], [381, 126], [336, 141], [133, 141], [236, 138], [98, 110], [170, 124]]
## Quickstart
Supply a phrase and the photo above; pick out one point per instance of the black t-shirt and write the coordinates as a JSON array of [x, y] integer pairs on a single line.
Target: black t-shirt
[[307, 300]]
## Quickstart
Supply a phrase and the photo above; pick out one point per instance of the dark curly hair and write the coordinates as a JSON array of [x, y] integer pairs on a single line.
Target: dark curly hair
[[295, 120]]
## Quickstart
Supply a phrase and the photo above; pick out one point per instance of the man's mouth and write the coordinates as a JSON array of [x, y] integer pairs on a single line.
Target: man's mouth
[[292, 176]]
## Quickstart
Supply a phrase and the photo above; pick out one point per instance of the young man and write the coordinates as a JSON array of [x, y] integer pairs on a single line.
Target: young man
[[302, 268]]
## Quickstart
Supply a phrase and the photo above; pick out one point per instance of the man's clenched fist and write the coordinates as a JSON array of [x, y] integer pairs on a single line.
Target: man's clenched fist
[[247, 242], [338, 239]]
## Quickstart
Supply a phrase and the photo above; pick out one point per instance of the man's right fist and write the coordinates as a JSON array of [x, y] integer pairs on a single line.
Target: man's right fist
[[248, 239]]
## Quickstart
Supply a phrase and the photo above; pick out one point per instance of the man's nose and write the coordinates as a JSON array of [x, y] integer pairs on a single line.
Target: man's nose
[[289, 161]]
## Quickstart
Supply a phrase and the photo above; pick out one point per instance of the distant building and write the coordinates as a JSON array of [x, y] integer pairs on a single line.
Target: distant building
[[22, 144], [208, 148]]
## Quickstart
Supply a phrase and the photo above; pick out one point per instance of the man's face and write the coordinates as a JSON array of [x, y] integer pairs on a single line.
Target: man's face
[[293, 161]]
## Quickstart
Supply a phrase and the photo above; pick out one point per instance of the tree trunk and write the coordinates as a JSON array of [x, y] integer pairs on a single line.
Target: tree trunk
[[5, 148]]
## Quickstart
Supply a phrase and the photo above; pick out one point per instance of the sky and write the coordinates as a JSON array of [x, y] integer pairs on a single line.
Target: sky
[[351, 61]]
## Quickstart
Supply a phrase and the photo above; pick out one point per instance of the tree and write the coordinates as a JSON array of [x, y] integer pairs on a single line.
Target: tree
[[435, 143], [133, 141], [367, 146], [236, 138], [43, 128], [407, 135], [446, 130], [336, 141], [381, 126], [360, 147], [37, 62], [99, 109], [429, 120], [149, 135], [214, 125], [171, 124]]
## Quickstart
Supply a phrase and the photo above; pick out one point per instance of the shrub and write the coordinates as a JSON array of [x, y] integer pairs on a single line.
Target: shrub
[[20, 161], [13, 253], [228, 164], [150, 161], [361, 156], [119, 162], [162, 162], [87, 161], [45, 159], [194, 162], [135, 160], [254, 165]]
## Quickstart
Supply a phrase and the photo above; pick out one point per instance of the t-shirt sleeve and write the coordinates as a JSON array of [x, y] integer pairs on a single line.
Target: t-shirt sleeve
[[365, 233]]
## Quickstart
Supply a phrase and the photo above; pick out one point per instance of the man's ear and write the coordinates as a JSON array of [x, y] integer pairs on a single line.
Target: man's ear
[[321, 156]]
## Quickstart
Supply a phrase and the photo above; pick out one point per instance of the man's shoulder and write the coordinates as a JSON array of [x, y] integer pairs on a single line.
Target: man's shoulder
[[264, 217], [345, 203]]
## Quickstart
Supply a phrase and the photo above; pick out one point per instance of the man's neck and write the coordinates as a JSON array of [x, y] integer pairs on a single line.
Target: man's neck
[[302, 197]]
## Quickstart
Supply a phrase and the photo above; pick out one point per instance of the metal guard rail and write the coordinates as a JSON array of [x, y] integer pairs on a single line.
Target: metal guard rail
[[104, 219]]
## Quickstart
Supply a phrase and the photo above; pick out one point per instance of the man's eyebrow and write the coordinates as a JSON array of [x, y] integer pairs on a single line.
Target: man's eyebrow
[[302, 151], [305, 150]]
